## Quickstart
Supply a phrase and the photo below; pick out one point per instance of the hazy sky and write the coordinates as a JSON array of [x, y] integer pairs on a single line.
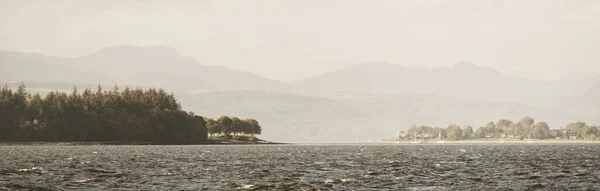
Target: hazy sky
[[293, 39]]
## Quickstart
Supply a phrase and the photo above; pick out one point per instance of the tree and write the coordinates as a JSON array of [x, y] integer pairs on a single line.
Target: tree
[[236, 126], [16, 113], [131, 115], [246, 127], [425, 130], [481, 132], [540, 130], [256, 128], [517, 129], [526, 122], [6, 112], [590, 133], [576, 129], [413, 129], [214, 128], [226, 125], [493, 129], [467, 132], [440, 131], [455, 132], [504, 125], [34, 110]]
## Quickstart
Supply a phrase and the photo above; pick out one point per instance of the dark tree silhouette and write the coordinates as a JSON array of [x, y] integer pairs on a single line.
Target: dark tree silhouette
[[128, 115]]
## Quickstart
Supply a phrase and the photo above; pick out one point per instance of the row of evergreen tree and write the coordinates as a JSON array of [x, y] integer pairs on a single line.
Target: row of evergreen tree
[[130, 115], [526, 128]]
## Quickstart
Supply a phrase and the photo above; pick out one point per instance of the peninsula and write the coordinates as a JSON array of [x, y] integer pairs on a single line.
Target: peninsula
[[130, 116]]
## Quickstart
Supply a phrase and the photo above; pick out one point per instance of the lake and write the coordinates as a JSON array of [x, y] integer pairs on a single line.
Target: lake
[[302, 167]]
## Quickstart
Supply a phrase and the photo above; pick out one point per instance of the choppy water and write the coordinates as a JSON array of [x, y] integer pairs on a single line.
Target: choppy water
[[301, 167]]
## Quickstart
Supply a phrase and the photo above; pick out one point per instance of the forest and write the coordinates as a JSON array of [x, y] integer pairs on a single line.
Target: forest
[[109, 116], [526, 128]]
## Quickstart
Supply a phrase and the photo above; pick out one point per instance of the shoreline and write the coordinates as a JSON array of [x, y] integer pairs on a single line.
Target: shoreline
[[263, 142], [495, 141], [117, 143]]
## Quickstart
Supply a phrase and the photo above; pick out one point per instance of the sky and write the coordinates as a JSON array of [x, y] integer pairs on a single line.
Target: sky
[[290, 40]]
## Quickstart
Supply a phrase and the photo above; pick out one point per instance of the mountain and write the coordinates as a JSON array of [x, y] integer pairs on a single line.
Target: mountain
[[357, 103], [351, 117], [464, 81], [159, 66], [587, 103], [31, 67], [155, 66]]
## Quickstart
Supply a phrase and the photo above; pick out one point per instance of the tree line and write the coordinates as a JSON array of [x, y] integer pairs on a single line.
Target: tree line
[[526, 128], [130, 115], [232, 126]]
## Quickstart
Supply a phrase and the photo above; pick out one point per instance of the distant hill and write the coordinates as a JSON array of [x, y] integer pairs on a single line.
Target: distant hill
[[16, 66], [464, 81], [347, 117], [587, 103], [358, 103], [155, 66], [164, 67]]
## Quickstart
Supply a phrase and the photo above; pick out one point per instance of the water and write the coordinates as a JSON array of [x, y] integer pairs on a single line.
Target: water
[[302, 167]]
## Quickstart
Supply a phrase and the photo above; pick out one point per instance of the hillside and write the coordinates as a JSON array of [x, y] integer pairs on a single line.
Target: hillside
[[355, 117], [464, 81], [345, 117], [155, 66], [159, 66], [378, 98], [31, 67], [587, 103]]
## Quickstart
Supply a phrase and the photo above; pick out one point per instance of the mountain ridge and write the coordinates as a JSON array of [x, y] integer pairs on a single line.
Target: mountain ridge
[[363, 102], [347, 117], [464, 80], [164, 66], [147, 66]]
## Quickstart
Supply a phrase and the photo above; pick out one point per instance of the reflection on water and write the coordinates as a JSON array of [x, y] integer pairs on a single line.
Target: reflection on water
[[301, 167]]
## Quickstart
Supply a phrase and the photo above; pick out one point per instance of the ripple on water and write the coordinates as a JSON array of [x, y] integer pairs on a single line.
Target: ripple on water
[[293, 167]]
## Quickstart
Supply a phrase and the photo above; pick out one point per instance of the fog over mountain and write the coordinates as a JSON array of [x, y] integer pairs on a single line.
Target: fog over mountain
[[587, 103], [160, 66], [357, 103], [300, 94], [17, 66], [153, 66], [348, 117], [292, 40], [465, 81]]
